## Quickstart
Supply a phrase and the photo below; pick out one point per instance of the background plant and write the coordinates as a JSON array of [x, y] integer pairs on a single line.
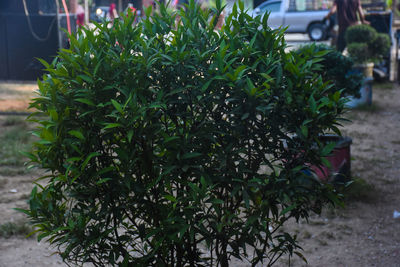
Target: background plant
[[335, 67], [365, 44], [10, 229], [175, 144]]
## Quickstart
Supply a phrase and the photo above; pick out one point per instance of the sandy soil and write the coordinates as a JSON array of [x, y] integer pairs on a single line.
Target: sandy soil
[[363, 233], [16, 96]]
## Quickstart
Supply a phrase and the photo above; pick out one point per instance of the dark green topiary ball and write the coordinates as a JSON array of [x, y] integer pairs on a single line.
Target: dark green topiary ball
[[360, 34]]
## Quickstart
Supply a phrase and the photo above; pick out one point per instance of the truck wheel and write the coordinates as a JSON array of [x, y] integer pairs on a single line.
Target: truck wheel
[[317, 32]]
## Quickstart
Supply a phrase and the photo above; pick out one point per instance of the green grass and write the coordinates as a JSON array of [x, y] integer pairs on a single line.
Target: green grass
[[12, 171], [15, 137], [383, 85], [9, 229], [368, 108], [359, 190], [13, 120], [3, 182], [396, 142]]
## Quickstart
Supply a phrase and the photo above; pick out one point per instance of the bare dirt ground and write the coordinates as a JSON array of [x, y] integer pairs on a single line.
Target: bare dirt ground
[[363, 233], [16, 96]]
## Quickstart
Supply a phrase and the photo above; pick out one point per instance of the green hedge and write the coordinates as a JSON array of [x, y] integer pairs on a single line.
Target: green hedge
[[169, 143]]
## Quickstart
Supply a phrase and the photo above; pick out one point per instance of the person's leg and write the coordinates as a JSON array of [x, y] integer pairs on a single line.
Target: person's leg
[[341, 42]]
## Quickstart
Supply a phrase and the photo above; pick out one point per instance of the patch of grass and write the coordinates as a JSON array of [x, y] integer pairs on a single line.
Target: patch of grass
[[19, 228], [14, 138], [350, 116], [387, 181], [395, 142], [3, 182], [332, 212], [13, 120], [359, 190], [322, 242], [12, 171], [383, 85], [368, 108], [317, 222], [372, 161], [343, 227], [24, 196], [328, 235], [306, 234]]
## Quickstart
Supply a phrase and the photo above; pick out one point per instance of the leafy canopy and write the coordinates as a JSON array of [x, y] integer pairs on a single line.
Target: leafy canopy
[[169, 143]]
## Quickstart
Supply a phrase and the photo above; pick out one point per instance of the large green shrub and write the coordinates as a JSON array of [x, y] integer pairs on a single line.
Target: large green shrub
[[174, 144], [336, 67]]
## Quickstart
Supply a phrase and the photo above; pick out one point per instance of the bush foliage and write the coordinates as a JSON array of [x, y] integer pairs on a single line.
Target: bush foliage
[[365, 44], [169, 143], [337, 68]]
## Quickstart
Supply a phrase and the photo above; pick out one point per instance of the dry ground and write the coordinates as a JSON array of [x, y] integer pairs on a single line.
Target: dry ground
[[364, 233], [15, 96]]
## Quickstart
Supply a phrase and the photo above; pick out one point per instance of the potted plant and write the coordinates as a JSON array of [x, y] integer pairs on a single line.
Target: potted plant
[[366, 46], [338, 69]]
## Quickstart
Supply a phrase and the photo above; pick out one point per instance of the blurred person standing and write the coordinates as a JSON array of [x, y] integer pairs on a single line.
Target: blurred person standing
[[80, 15], [347, 15], [112, 13]]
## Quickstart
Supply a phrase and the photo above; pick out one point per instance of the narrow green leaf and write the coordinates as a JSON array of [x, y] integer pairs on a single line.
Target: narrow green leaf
[[77, 134], [129, 135], [300, 256], [91, 155], [287, 209], [241, 5], [27, 212], [206, 85], [328, 149], [313, 105], [326, 162], [191, 155], [170, 198], [104, 180], [85, 101], [111, 125], [117, 106], [336, 96], [217, 201], [86, 78], [304, 130]]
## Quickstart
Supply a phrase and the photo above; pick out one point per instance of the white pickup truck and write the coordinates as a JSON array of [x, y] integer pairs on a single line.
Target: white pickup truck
[[300, 16]]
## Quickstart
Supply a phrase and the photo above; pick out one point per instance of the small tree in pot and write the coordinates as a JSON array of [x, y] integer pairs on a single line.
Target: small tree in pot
[[164, 142], [366, 46]]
